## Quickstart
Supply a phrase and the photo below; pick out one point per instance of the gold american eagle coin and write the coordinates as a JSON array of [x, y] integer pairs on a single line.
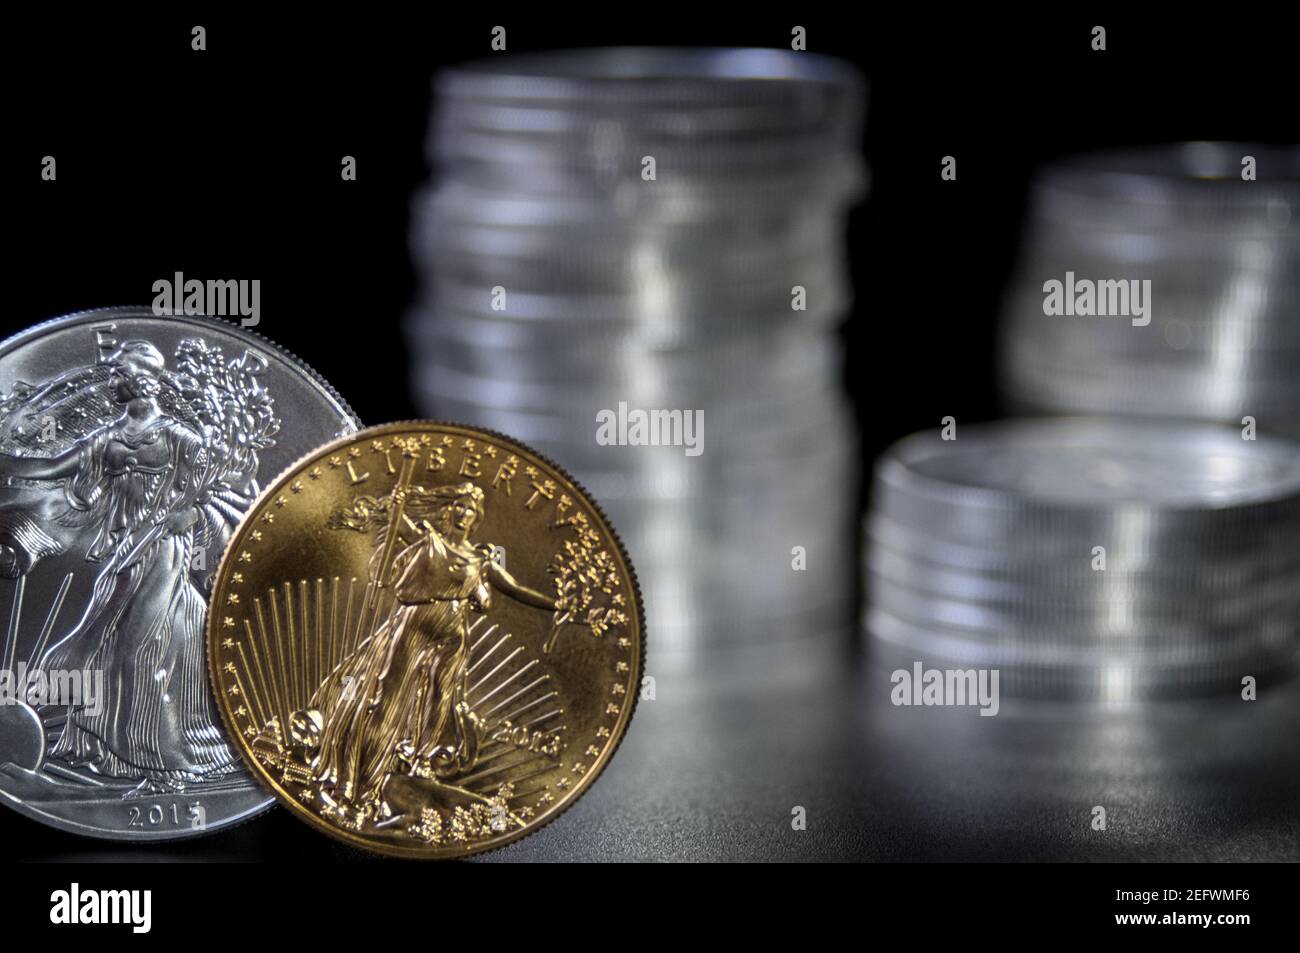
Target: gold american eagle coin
[[426, 639]]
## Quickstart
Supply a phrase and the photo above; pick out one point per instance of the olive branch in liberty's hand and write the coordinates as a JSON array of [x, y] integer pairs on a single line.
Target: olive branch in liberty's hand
[[587, 586]]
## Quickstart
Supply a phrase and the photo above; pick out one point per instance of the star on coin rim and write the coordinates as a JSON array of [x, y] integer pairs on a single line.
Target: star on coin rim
[[229, 557]]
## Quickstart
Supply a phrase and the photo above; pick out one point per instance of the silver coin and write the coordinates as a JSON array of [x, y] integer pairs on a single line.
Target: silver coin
[[660, 532], [1123, 620], [664, 319], [494, 222], [640, 214], [1278, 419], [669, 479], [983, 550], [734, 130], [1153, 392], [788, 376], [130, 444], [697, 180], [1165, 667], [1179, 186], [1077, 586], [1038, 559], [614, 240], [1097, 463], [1256, 375], [764, 285], [1176, 261], [517, 341], [681, 77], [894, 643], [571, 437]]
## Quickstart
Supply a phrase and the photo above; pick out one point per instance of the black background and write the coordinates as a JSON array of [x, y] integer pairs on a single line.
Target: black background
[[225, 164]]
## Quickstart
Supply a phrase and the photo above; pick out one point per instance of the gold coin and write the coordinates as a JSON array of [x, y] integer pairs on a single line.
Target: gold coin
[[426, 639]]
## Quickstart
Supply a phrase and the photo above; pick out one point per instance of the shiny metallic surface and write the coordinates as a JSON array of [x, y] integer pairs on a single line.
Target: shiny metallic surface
[[1222, 254], [561, 282], [429, 642], [130, 444], [1089, 559]]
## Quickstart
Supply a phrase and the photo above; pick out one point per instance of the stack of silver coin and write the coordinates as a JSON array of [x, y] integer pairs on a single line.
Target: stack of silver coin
[[611, 233], [1097, 559], [1219, 339]]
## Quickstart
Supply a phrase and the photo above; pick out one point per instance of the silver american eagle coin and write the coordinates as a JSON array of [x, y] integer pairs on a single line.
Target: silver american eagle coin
[[130, 445]]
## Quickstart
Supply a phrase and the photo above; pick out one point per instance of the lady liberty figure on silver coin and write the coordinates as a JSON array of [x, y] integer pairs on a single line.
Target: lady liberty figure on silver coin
[[158, 464]]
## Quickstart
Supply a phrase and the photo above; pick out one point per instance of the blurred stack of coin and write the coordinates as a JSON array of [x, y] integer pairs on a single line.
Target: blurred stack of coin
[[1222, 255], [1088, 558], [612, 232]]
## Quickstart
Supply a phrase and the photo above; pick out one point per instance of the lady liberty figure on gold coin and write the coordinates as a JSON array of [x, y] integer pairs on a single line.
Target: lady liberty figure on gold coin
[[397, 706], [157, 464]]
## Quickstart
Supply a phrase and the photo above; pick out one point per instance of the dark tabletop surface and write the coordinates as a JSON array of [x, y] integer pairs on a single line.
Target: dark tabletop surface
[[714, 766]]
